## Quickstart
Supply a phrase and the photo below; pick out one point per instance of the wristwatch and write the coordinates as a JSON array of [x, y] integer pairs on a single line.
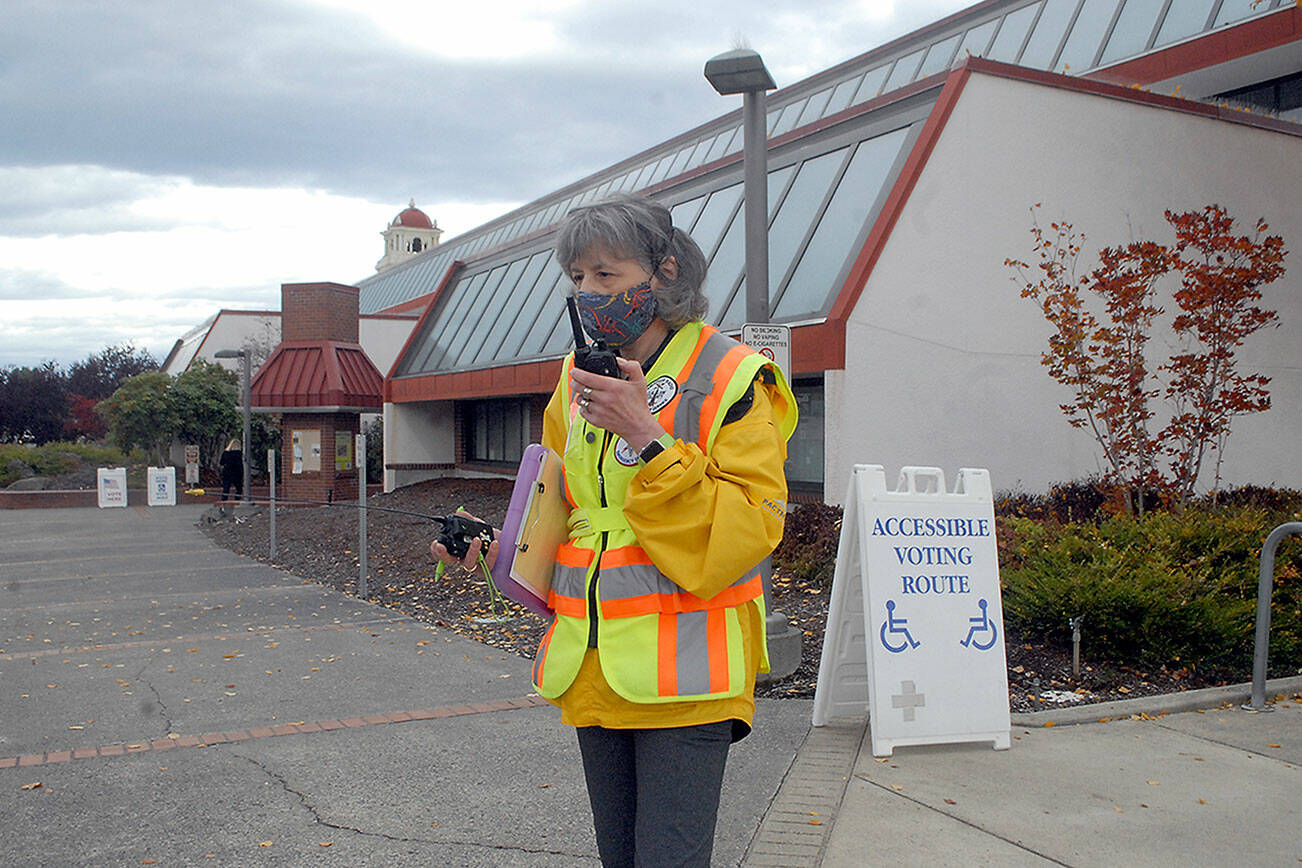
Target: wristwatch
[[654, 448]]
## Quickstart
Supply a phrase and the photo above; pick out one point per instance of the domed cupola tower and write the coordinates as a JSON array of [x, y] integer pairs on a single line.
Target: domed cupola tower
[[409, 233]]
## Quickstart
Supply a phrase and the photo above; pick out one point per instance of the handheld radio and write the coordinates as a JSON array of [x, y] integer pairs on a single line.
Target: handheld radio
[[459, 530], [598, 357]]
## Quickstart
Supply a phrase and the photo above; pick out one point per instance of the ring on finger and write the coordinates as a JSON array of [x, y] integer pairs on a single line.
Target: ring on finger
[[587, 393]]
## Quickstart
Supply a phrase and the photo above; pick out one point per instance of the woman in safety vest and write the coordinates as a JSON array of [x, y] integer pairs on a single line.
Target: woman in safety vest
[[674, 474]]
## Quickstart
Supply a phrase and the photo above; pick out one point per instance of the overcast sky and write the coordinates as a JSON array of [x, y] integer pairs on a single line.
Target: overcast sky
[[163, 159]]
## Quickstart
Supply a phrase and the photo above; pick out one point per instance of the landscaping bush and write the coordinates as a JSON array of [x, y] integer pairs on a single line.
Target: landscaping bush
[[807, 552], [1174, 590], [53, 459]]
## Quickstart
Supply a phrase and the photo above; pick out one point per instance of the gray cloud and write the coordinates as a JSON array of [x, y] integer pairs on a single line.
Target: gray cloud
[[21, 285], [255, 93]]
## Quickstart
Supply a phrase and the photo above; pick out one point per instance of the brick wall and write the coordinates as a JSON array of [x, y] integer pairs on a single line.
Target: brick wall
[[319, 312], [326, 484]]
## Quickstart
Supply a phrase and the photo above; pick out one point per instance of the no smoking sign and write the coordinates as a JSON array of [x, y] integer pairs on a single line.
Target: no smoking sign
[[771, 341]]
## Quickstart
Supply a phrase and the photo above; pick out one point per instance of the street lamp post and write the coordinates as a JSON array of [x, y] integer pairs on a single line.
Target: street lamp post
[[245, 363], [742, 71]]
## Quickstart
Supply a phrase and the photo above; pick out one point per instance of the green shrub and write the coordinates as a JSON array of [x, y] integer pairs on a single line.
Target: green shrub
[[1162, 590], [52, 459], [810, 537]]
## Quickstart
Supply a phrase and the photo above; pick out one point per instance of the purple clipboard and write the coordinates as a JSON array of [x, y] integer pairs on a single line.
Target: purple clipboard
[[536, 524]]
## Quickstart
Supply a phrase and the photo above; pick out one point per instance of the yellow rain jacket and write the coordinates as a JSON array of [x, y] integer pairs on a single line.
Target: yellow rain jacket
[[659, 607]]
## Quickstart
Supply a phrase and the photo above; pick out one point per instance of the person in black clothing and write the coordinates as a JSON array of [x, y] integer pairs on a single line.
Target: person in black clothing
[[232, 469]]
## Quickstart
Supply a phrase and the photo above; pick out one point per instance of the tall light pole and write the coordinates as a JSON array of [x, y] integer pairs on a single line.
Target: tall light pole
[[243, 355], [742, 71]]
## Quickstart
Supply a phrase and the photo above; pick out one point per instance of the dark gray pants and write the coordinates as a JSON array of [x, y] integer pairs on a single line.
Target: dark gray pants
[[655, 792]]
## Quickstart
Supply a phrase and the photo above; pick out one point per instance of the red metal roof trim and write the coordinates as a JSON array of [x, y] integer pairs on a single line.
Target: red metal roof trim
[[318, 374]]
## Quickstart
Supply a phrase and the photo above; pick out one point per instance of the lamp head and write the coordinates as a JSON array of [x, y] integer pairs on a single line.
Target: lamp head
[[739, 71]]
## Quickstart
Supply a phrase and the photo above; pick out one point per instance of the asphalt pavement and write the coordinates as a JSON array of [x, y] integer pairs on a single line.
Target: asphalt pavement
[[165, 701]]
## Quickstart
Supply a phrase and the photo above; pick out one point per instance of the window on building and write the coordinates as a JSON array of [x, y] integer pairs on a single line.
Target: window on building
[[496, 431], [805, 449], [1280, 96]]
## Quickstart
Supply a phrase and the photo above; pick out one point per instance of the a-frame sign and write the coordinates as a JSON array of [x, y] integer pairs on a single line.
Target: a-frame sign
[[915, 628]]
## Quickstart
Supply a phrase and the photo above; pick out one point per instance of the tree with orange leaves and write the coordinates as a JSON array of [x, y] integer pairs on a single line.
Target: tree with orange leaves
[[1104, 360]]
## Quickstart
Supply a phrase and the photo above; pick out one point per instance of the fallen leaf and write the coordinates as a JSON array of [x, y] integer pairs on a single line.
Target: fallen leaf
[[1049, 723], [1155, 783], [326, 844], [35, 786], [266, 843], [950, 802], [815, 822], [1272, 745], [1202, 801]]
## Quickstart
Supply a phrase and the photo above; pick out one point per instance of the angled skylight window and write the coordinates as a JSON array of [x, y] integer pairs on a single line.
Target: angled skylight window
[[1184, 18], [1012, 34], [977, 40], [939, 56], [1042, 47], [1091, 25]]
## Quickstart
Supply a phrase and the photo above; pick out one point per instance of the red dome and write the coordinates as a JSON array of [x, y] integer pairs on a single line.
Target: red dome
[[413, 217]]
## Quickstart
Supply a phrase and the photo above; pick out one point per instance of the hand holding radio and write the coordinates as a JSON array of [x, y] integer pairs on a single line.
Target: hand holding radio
[[461, 540], [596, 357]]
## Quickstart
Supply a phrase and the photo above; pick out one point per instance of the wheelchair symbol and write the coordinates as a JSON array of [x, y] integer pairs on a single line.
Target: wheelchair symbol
[[896, 625], [981, 624]]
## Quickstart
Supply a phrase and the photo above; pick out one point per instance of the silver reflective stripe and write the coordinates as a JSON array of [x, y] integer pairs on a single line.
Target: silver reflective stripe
[[619, 583], [693, 657], [635, 580], [569, 581], [698, 386]]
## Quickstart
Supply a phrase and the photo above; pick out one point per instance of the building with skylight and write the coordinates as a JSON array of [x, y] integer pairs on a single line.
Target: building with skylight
[[898, 183]]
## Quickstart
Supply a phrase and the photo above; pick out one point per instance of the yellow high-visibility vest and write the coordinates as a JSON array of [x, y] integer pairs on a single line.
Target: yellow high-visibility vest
[[657, 642]]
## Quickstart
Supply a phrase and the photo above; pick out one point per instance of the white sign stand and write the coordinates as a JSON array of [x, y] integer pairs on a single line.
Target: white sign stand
[[111, 483], [161, 482], [915, 626], [191, 464]]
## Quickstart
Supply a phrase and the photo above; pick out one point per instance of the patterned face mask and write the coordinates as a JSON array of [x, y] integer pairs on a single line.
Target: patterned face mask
[[617, 319]]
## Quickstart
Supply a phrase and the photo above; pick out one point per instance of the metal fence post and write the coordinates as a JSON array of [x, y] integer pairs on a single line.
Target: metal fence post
[[271, 476], [1265, 581], [359, 458]]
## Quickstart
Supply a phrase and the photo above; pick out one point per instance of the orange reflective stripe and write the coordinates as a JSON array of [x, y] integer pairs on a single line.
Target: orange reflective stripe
[[722, 377], [667, 662], [542, 653], [666, 416], [682, 601], [571, 556], [716, 633], [572, 607], [625, 556]]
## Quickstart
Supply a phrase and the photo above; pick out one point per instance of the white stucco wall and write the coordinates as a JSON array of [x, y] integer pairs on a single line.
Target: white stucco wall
[[383, 338], [943, 355], [417, 433]]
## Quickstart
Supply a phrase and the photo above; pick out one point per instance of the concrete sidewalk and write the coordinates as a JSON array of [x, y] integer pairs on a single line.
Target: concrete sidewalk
[[166, 701]]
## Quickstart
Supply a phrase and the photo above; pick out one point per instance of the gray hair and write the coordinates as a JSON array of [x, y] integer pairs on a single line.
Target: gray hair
[[635, 227]]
